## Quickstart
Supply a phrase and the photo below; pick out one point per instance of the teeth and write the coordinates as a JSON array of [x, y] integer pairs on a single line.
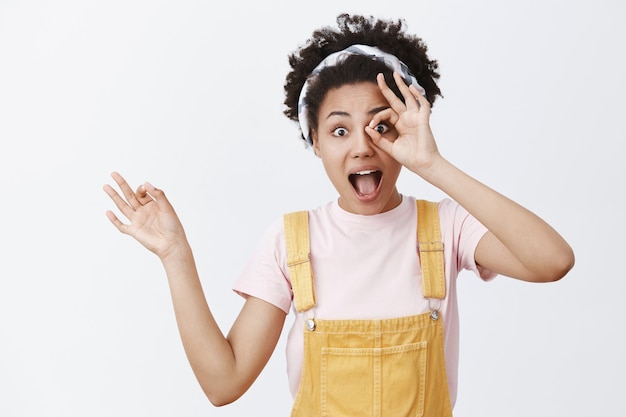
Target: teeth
[[365, 172]]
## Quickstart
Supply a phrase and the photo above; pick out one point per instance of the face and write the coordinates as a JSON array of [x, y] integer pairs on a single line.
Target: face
[[363, 174]]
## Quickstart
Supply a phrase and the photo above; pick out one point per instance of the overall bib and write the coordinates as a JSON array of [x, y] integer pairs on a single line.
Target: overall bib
[[372, 368]]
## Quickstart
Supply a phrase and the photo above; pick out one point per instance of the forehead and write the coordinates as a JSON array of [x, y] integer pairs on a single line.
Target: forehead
[[355, 97]]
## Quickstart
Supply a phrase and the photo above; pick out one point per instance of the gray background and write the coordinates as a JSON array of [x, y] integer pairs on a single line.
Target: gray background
[[188, 95]]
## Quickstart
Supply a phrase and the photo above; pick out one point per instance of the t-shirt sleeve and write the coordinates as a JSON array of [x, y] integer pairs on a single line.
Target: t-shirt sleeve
[[264, 276], [466, 232]]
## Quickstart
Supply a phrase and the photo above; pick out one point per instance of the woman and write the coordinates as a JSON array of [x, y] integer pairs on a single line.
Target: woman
[[376, 319]]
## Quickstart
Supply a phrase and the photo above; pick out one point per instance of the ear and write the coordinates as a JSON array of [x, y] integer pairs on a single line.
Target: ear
[[316, 144]]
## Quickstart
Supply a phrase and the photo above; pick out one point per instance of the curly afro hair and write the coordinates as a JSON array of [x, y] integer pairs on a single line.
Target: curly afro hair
[[388, 35]]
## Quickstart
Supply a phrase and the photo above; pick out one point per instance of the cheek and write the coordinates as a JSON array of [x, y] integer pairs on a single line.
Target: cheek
[[332, 166], [395, 168]]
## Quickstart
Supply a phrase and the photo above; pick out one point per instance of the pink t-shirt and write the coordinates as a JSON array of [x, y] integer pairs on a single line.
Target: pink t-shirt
[[365, 267]]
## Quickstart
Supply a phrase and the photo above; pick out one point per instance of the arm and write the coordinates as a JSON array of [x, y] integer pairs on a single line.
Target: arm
[[519, 244], [224, 366]]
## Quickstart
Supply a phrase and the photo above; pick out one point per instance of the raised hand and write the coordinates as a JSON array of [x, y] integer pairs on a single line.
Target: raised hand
[[152, 219], [415, 145]]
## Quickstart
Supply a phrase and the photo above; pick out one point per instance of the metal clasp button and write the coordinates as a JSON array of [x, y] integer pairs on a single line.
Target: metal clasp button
[[310, 324]]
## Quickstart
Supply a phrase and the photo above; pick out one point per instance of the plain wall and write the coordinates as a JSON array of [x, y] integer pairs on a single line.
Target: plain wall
[[188, 95]]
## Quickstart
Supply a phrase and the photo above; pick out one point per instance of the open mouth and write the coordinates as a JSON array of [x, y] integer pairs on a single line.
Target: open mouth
[[365, 182]]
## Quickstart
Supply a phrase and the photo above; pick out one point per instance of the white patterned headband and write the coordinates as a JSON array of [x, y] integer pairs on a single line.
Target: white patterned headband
[[390, 60]]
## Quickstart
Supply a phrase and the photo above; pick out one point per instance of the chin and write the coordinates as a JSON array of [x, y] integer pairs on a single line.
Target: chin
[[369, 205]]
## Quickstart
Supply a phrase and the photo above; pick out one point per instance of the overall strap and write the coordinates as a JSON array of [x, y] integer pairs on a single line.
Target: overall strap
[[430, 246], [299, 259]]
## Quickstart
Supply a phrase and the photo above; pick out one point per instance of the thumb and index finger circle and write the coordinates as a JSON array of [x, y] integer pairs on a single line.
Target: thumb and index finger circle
[[155, 194]]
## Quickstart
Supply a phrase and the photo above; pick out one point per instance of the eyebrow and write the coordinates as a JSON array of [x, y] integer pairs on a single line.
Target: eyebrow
[[343, 113]]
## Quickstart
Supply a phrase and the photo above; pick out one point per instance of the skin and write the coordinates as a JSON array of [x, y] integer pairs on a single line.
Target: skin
[[362, 126], [518, 244], [344, 146]]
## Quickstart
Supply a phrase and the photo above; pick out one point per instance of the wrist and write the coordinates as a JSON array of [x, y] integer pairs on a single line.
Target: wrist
[[430, 170], [177, 252]]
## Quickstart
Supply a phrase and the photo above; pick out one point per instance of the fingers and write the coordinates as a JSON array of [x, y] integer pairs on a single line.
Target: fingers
[[131, 201], [120, 203], [126, 190], [388, 115], [379, 140], [391, 97], [410, 100], [116, 222], [142, 195], [413, 99], [134, 201], [158, 196], [414, 102], [422, 101]]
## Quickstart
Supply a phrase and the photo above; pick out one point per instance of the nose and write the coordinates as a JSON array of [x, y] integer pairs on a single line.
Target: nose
[[362, 145]]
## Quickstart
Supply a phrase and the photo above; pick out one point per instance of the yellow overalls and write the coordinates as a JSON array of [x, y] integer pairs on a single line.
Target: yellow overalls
[[372, 368]]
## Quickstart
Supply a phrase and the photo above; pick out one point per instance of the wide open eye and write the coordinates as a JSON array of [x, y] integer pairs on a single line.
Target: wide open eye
[[340, 131], [381, 128]]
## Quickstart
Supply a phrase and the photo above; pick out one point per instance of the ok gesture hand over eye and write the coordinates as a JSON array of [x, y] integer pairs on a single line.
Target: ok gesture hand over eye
[[414, 146]]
